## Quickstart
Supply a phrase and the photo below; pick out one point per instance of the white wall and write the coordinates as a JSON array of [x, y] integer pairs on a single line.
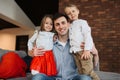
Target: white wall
[[11, 12], [7, 41], [8, 37]]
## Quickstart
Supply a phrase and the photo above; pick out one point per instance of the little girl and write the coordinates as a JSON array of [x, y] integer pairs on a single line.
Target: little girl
[[43, 39]]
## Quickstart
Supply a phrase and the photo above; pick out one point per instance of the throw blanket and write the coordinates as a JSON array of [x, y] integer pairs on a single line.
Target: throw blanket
[[11, 66]]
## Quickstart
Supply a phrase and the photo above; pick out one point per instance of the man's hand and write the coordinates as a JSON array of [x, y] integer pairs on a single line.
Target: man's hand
[[85, 55], [38, 51]]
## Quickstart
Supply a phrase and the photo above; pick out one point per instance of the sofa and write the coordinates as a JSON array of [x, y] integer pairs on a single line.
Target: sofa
[[102, 74]]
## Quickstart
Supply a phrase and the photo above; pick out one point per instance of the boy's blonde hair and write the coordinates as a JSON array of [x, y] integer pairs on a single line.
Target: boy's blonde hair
[[71, 5]]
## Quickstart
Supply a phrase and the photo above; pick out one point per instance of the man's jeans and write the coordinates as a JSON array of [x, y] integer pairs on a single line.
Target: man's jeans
[[44, 77]]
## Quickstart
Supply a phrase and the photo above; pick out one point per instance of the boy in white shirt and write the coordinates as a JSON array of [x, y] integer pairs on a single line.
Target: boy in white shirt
[[79, 32]]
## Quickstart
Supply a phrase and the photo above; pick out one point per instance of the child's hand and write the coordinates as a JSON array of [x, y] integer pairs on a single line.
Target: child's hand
[[55, 37], [82, 45], [85, 55]]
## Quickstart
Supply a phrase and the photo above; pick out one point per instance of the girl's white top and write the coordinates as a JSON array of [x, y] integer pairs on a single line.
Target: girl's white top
[[43, 39], [80, 31]]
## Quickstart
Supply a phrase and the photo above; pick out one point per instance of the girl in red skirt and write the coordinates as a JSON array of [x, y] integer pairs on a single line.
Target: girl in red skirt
[[43, 39]]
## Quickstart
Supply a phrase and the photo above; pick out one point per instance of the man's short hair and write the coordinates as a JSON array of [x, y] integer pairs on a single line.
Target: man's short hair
[[58, 15]]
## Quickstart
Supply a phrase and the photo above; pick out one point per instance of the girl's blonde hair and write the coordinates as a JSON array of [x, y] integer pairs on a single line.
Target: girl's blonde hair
[[43, 22]]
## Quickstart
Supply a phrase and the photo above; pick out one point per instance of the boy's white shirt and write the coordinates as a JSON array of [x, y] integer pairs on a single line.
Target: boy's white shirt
[[79, 32], [43, 39]]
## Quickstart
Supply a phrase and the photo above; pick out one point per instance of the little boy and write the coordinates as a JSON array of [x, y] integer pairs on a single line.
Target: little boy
[[79, 32]]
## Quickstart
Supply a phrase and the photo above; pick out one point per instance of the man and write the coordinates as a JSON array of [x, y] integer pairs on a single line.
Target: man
[[64, 60]]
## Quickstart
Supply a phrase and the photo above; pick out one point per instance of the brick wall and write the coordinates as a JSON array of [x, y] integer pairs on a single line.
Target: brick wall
[[104, 18]]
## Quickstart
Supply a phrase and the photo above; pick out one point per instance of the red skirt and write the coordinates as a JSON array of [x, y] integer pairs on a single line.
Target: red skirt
[[45, 64]]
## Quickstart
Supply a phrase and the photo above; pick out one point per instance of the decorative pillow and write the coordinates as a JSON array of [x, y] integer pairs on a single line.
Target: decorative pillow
[[12, 66]]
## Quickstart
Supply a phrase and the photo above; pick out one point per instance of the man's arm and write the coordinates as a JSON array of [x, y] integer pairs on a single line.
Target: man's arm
[[36, 51], [30, 53]]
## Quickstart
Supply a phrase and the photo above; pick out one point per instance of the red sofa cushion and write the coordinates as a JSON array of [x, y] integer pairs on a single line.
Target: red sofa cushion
[[12, 66]]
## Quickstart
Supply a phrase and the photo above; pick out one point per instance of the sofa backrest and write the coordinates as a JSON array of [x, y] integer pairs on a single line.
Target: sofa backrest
[[21, 53]]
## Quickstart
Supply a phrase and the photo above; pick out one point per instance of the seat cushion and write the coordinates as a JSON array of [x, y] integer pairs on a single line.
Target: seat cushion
[[108, 75]]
